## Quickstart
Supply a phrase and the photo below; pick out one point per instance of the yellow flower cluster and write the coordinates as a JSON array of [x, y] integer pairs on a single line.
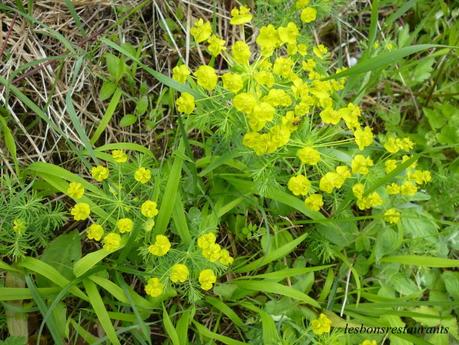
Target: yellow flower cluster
[[19, 226], [213, 251], [160, 247], [321, 325]]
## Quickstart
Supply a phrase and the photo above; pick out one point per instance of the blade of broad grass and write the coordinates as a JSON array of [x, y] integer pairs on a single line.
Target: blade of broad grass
[[219, 161], [114, 101], [275, 288], [159, 76], [14, 294], [382, 60], [99, 308], [125, 146], [416, 260], [225, 309], [50, 322], [75, 16], [169, 328], [5, 267], [89, 261], [373, 29], [183, 324], [49, 272], [269, 330], [73, 114], [288, 272], [88, 337], [203, 331], [179, 218], [170, 193], [9, 141], [400, 12], [327, 286], [274, 255]]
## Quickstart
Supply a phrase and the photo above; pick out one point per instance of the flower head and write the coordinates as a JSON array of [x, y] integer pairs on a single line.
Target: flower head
[[232, 82], [80, 211], [149, 209], [161, 246], [299, 185], [308, 155], [268, 40], [213, 252], [99, 173], [185, 103], [206, 76], [119, 156], [321, 325], [289, 33], [240, 16], [204, 241], [207, 278], [241, 52], [142, 175], [154, 287], [112, 241], [314, 202], [392, 216], [320, 51], [75, 190], [19, 226], [244, 102], [225, 258], [360, 164], [179, 273], [369, 342], [308, 15], [363, 137], [95, 232], [201, 30], [180, 73], [125, 225], [216, 45]]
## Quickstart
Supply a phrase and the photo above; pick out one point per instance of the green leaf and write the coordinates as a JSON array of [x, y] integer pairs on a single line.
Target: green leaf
[[13, 294], [288, 272], [170, 193], [107, 116], [141, 106], [10, 144], [211, 335], [14, 341], [107, 89], [427, 261], [169, 327], [89, 261], [183, 325], [225, 309], [128, 120], [99, 308], [276, 288], [274, 255], [180, 221], [451, 280], [115, 66]]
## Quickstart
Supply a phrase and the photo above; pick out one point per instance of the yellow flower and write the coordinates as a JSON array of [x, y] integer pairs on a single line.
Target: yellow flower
[[329, 115], [320, 51], [321, 325], [112, 241], [179, 273], [207, 278], [19, 226], [149, 209], [299, 185], [75, 190], [207, 78], [262, 112], [302, 49], [154, 287], [213, 252], [391, 144], [372, 200], [289, 33], [244, 102], [369, 342], [360, 164], [390, 165], [314, 202], [392, 216], [268, 39], [201, 30], [119, 156], [308, 155], [393, 189], [161, 246], [180, 73], [264, 78], [241, 52], [343, 171], [283, 66], [363, 137], [308, 15], [99, 173], [405, 144], [142, 175], [232, 82], [277, 97], [80, 211], [301, 4], [216, 45], [330, 181], [204, 241], [125, 225], [350, 114], [358, 189], [420, 176], [95, 232], [225, 258], [408, 188], [308, 65], [185, 103], [240, 16]]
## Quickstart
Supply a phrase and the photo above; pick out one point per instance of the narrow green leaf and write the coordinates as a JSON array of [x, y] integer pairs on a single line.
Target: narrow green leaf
[[89, 261], [107, 115], [179, 218], [211, 335], [428, 261], [13, 294], [225, 309], [288, 272], [169, 328]]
